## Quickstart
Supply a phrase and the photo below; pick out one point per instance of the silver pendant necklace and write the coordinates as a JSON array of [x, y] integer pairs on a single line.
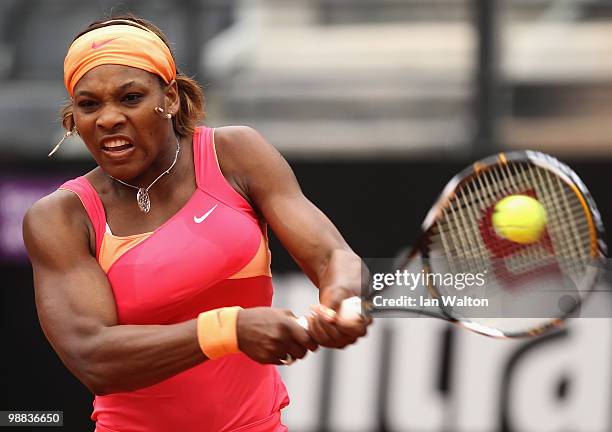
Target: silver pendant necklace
[[142, 197]]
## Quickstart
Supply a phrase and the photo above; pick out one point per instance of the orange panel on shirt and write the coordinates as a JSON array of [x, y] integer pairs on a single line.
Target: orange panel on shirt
[[259, 265], [113, 247]]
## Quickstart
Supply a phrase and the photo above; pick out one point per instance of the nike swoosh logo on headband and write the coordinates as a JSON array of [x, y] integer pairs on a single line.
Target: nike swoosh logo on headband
[[96, 45]]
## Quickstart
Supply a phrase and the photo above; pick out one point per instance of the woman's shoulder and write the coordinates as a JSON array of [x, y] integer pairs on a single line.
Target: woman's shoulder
[[55, 226], [57, 215], [59, 208], [245, 159], [241, 146], [236, 135]]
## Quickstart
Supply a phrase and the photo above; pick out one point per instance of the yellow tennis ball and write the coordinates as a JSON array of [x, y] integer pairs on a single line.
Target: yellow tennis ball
[[519, 218]]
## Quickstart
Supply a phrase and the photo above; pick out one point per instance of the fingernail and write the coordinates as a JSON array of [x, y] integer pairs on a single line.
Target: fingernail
[[329, 312]]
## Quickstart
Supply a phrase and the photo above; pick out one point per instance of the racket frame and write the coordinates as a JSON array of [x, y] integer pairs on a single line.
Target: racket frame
[[542, 160]]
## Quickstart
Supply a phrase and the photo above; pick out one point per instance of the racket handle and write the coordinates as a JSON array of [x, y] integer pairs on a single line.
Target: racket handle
[[349, 309]]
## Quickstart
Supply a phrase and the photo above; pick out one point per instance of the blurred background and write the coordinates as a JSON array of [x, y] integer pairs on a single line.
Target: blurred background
[[375, 104]]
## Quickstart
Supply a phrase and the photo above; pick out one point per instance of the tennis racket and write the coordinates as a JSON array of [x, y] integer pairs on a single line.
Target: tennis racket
[[533, 287]]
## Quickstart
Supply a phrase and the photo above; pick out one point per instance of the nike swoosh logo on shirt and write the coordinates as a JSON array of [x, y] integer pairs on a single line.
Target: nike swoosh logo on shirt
[[96, 45], [201, 218]]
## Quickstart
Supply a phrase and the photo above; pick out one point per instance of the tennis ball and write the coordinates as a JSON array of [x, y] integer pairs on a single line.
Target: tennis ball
[[519, 218]]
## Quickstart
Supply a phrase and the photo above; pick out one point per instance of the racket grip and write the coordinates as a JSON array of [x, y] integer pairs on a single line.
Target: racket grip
[[349, 309]]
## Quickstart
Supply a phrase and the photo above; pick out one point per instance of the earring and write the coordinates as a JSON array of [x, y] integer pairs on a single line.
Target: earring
[[66, 135], [161, 111]]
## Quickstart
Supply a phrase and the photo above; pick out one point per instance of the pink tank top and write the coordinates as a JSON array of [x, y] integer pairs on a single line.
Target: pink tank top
[[212, 253]]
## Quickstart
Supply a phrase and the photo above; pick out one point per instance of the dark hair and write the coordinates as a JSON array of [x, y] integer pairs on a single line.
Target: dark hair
[[191, 97]]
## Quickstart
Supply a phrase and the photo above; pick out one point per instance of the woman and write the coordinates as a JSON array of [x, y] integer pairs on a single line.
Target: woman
[[152, 272]]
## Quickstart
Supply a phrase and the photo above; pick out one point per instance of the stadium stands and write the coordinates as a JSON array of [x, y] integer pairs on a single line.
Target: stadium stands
[[366, 78]]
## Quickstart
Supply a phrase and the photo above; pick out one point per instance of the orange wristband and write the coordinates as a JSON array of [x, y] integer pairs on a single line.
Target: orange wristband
[[217, 332]]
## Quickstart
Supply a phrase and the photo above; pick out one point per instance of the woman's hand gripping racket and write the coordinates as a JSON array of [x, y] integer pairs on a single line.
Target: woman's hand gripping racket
[[539, 251]]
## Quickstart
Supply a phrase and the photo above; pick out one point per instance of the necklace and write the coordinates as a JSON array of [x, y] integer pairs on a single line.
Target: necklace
[[142, 197]]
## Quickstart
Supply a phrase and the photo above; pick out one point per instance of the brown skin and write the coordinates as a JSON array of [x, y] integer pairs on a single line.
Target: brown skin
[[74, 300], [309, 236]]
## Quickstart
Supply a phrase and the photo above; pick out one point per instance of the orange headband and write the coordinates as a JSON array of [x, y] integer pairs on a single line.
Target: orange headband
[[120, 44]]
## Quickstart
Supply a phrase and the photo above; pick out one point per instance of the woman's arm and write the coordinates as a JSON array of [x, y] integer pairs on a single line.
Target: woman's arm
[[77, 311], [308, 235]]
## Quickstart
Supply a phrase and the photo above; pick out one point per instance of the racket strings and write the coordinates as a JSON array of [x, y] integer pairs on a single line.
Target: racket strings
[[458, 230], [501, 183], [565, 222], [524, 283], [555, 228], [566, 225], [562, 217], [472, 212], [580, 226], [449, 226], [537, 254], [527, 255]]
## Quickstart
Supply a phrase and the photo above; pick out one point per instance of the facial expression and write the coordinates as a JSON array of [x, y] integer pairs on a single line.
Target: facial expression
[[114, 112]]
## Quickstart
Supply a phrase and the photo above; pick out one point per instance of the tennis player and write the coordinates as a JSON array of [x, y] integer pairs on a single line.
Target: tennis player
[[152, 271]]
